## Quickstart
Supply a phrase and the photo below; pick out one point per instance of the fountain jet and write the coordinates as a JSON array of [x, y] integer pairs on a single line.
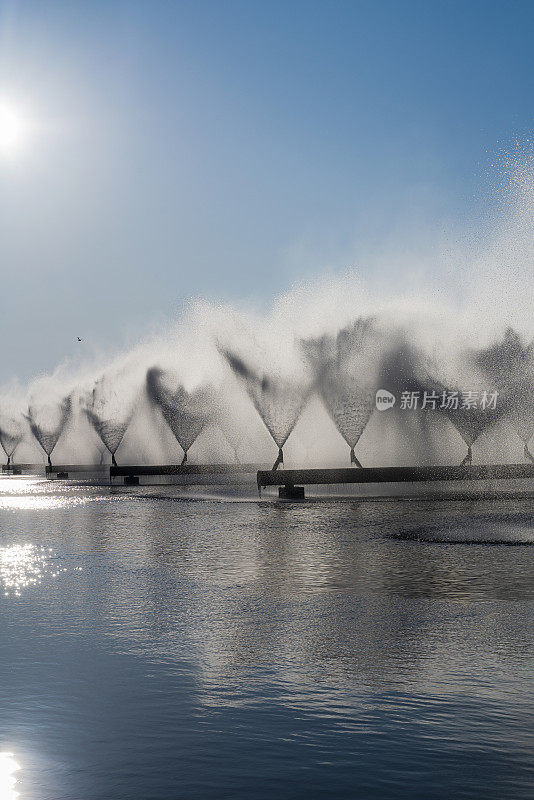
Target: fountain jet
[[229, 428], [47, 421], [469, 420], [509, 365], [110, 408], [345, 367], [11, 434], [186, 413], [278, 401]]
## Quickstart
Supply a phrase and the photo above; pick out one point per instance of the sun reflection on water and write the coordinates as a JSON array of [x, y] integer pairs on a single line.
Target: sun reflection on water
[[39, 494], [8, 781], [22, 566]]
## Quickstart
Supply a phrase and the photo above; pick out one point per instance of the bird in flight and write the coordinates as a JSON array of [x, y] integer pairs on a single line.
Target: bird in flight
[[78, 338]]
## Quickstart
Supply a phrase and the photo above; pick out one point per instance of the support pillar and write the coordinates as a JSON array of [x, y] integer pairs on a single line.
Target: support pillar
[[289, 492]]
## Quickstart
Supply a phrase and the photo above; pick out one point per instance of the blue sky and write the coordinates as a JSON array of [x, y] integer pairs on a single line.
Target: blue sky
[[228, 149]]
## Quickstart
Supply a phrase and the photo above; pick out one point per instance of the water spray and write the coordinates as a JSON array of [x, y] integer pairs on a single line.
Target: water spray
[[339, 339], [345, 366], [186, 413], [47, 421], [278, 401], [11, 434], [110, 407]]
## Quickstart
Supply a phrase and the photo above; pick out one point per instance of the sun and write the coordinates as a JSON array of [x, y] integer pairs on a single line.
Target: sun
[[12, 129]]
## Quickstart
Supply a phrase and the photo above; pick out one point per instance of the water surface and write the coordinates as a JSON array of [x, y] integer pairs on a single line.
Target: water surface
[[155, 647]]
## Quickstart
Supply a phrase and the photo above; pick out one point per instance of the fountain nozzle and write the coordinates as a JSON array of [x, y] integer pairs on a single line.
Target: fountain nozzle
[[468, 460], [279, 460], [184, 459], [113, 461], [353, 459]]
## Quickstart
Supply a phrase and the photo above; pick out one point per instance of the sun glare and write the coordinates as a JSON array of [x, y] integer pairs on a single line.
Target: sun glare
[[12, 130], [8, 781]]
